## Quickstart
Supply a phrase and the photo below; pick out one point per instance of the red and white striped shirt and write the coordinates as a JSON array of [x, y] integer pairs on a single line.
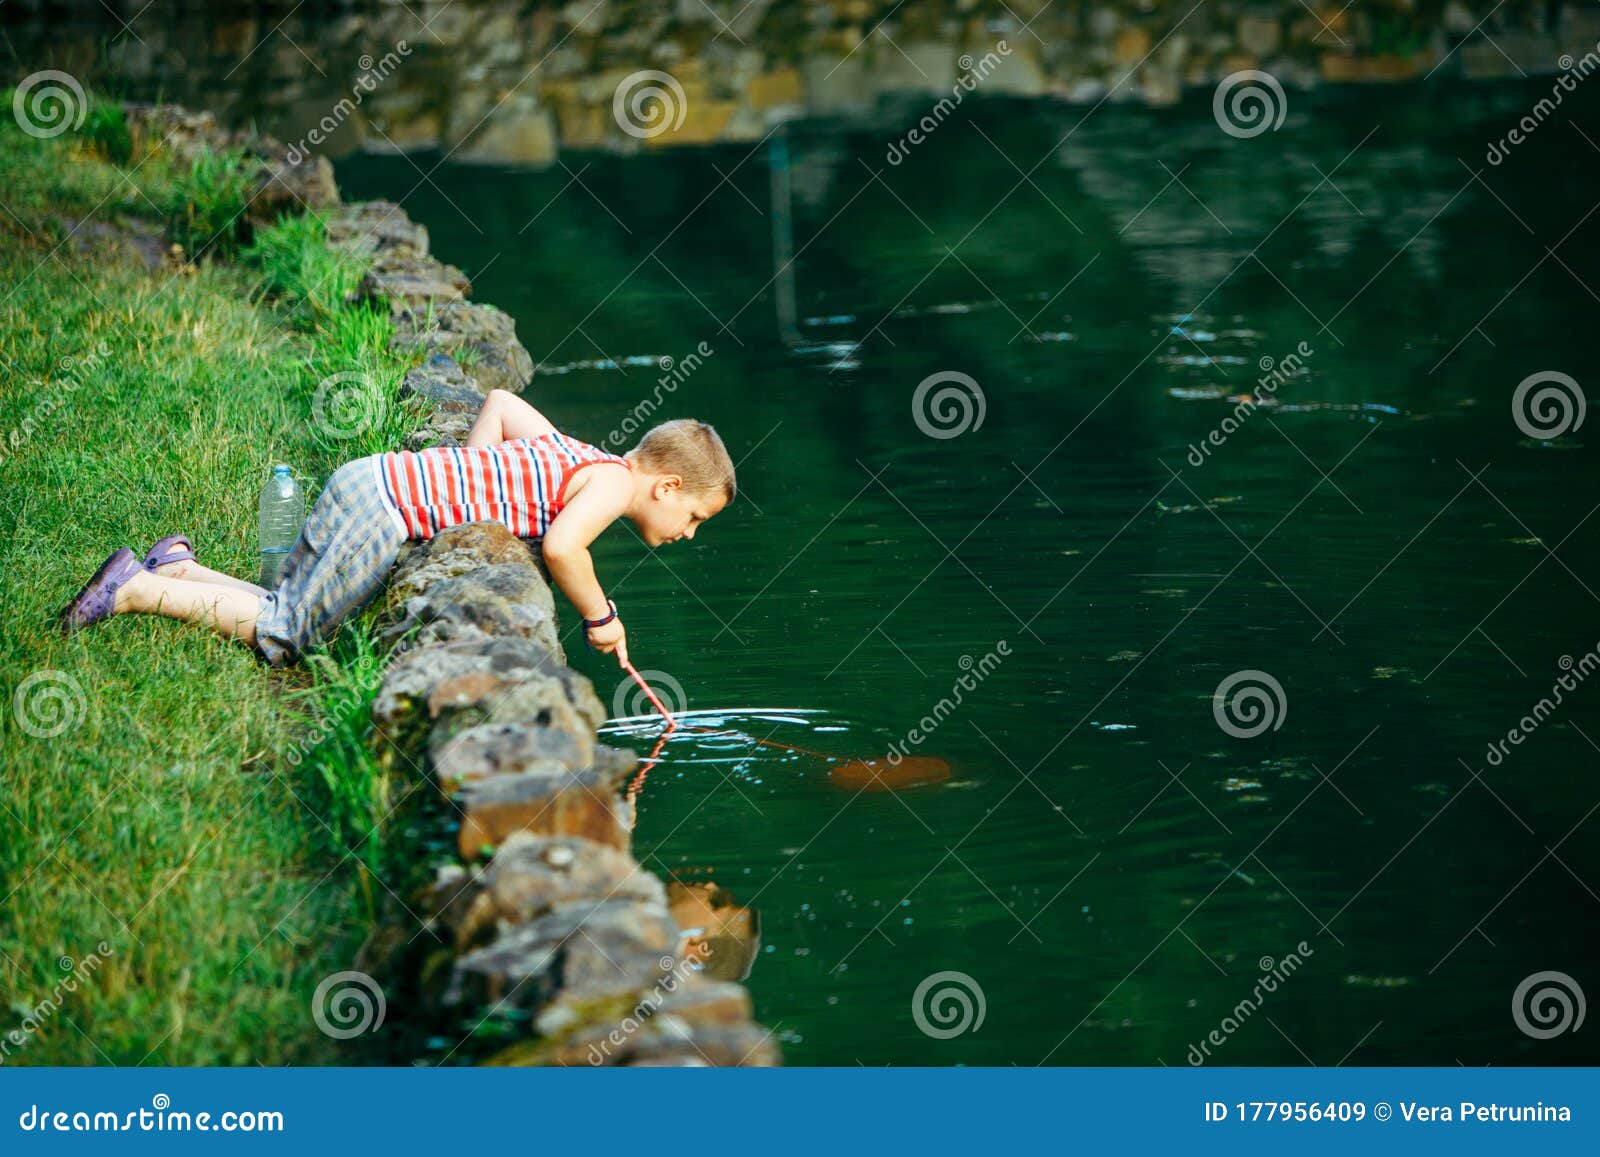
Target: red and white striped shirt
[[522, 484]]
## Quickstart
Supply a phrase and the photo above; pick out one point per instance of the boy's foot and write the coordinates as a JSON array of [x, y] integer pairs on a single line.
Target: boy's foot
[[170, 557], [105, 594], [130, 589]]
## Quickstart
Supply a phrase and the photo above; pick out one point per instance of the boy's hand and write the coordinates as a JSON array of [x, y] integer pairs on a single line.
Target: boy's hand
[[609, 639]]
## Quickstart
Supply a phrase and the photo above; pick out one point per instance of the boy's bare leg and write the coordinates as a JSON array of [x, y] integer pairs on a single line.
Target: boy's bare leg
[[194, 572], [228, 611]]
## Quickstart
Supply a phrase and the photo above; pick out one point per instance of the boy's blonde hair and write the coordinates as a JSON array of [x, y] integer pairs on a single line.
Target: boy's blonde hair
[[692, 450]]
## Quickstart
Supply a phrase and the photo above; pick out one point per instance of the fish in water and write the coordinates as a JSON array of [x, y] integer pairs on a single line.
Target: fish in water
[[881, 775]]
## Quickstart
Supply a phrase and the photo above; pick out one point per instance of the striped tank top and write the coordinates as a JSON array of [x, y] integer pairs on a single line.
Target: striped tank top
[[522, 484]]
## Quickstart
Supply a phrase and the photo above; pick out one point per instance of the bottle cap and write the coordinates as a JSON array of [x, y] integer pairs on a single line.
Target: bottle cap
[[280, 469]]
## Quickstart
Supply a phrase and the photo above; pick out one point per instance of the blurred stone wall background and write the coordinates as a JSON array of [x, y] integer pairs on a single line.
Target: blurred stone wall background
[[518, 82]]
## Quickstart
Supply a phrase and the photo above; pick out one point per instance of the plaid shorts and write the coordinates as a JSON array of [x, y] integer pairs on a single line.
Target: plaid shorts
[[348, 546]]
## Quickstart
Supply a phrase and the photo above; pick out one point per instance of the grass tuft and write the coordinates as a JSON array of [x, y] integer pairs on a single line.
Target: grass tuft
[[344, 787], [315, 282], [205, 205]]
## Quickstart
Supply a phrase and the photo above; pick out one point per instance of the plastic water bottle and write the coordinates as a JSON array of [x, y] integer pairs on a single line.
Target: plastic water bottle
[[283, 513]]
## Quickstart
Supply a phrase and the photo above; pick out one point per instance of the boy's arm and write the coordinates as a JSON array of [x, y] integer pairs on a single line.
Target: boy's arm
[[566, 549], [505, 418]]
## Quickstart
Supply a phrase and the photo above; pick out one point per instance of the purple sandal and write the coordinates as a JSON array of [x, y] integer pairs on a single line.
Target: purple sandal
[[173, 548], [98, 598]]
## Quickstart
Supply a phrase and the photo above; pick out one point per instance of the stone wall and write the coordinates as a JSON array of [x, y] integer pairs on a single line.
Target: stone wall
[[518, 82], [544, 941], [549, 943]]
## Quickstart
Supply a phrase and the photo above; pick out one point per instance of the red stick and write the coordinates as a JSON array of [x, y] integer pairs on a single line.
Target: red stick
[[672, 724]]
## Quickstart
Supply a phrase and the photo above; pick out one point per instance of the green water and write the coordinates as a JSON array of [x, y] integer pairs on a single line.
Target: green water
[[1106, 863]]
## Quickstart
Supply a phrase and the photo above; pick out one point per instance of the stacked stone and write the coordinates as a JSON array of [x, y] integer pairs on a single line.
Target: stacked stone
[[281, 180], [547, 921]]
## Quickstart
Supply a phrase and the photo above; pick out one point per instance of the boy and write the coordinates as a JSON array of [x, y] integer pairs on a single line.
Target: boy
[[516, 469]]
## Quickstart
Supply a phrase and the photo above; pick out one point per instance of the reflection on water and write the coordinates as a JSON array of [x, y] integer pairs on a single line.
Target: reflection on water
[[719, 932], [708, 738]]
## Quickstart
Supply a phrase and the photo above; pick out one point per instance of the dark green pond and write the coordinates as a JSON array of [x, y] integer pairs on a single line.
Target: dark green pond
[[1114, 870]]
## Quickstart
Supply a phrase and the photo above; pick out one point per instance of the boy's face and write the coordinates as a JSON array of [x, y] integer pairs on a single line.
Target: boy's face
[[674, 513]]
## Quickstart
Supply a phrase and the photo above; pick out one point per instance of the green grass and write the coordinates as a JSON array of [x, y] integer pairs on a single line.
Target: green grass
[[202, 206], [295, 265], [352, 378], [355, 406], [105, 129], [148, 801], [352, 796]]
